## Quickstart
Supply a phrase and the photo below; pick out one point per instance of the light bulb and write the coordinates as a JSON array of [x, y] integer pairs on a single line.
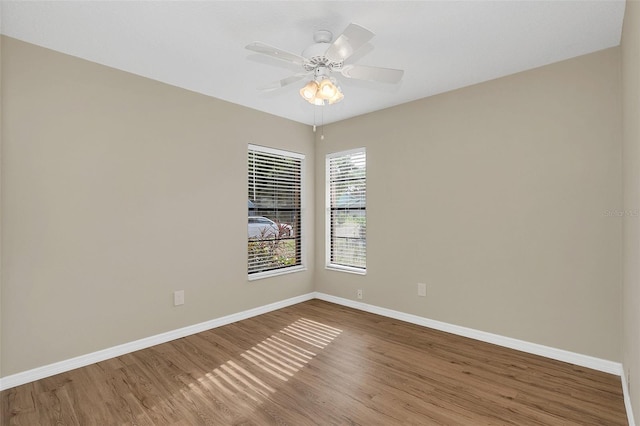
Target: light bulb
[[327, 89], [308, 92], [337, 98]]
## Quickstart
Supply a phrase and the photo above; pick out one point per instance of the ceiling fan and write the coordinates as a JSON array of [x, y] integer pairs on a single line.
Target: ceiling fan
[[322, 59]]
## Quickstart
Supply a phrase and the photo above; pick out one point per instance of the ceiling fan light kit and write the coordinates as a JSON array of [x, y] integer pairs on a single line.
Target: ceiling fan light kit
[[321, 91], [323, 58]]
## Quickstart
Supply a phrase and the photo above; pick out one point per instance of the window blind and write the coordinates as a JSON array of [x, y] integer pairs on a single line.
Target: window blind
[[274, 219], [347, 209]]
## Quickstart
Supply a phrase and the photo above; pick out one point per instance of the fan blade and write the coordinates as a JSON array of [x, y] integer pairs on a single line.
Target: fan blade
[[284, 82], [364, 72], [353, 37], [274, 52]]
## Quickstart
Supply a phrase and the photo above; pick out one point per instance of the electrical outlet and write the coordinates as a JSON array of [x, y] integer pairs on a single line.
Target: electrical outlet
[[422, 289], [359, 294], [178, 298]]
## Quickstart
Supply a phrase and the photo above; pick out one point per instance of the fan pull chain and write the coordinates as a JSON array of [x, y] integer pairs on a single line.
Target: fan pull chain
[[322, 125], [321, 122]]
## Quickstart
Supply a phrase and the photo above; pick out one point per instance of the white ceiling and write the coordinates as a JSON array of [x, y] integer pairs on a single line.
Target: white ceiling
[[441, 45]]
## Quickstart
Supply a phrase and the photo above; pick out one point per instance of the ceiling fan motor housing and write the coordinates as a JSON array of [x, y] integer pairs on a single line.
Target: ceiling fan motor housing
[[315, 54]]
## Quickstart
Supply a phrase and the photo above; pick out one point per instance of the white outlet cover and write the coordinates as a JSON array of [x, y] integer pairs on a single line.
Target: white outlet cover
[[178, 298], [422, 289]]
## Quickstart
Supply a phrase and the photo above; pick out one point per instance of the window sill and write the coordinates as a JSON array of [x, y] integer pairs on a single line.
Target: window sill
[[348, 269], [275, 273]]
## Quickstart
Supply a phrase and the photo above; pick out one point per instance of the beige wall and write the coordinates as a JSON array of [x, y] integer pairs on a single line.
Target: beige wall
[[631, 187], [116, 191], [496, 196], [1, 133]]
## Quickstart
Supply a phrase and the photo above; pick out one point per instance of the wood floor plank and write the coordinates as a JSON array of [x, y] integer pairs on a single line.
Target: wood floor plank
[[320, 363]]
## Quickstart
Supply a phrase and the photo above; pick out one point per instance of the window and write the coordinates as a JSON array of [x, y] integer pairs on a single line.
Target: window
[[274, 225], [347, 211]]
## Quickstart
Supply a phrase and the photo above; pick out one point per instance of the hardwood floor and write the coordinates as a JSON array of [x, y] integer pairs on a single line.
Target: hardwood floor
[[320, 363]]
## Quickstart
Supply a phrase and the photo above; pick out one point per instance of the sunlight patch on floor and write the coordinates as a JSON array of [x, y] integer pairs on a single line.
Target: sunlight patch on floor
[[278, 357]]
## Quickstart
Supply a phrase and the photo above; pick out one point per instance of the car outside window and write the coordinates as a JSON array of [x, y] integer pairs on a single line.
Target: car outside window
[[274, 224]]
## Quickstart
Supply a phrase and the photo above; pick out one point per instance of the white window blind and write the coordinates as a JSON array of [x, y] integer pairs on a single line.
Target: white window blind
[[347, 209], [274, 203]]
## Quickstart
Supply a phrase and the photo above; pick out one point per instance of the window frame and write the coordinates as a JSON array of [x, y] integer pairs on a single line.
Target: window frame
[[252, 276], [328, 246]]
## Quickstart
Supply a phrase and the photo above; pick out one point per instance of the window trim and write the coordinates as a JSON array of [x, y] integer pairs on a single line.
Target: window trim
[[328, 264], [303, 196], [343, 268], [276, 272]]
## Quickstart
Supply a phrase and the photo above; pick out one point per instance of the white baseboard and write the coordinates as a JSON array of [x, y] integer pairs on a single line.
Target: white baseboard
[[102, 355], [533, 348], [627, 398], [508, 342]]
